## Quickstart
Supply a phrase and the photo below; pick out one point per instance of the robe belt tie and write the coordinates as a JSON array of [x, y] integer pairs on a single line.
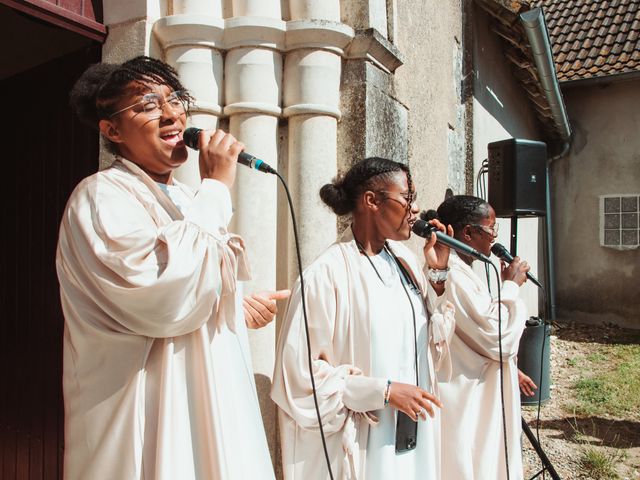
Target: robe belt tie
[[349, 438], [233, 267]]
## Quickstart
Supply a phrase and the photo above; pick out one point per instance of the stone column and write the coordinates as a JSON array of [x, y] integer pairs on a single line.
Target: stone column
[[253, 79], [192, 44], [315, 43]]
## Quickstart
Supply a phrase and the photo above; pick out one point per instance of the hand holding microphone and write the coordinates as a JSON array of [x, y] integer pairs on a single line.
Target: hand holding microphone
[[218, 153], [436, 253], [517, 270], [425, 229], [198, 139]]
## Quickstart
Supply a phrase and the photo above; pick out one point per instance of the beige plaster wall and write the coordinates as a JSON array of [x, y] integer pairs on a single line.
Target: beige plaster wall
[[428, 34], [596, 283], [500, 111]]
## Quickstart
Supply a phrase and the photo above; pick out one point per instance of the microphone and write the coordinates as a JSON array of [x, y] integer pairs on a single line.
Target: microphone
[[502, 253], [191, 138], [424, 229]]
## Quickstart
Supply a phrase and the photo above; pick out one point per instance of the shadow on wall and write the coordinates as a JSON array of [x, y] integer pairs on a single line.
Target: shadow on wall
[[269, 410], [495, 87]]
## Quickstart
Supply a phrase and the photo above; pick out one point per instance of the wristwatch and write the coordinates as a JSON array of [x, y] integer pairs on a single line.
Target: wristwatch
[[437, 276]]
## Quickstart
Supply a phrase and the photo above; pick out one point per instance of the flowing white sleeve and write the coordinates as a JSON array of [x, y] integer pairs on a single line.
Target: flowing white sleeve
[[340, 388], [150, 278], [477, 316], [442, 326]]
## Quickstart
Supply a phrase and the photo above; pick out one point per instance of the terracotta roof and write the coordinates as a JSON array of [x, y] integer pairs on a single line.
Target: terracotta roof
[[593, 38]]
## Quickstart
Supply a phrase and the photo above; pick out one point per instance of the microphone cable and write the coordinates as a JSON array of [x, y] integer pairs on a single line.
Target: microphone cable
[[481, 179], [540, 382], [306, 322], [190, 138], [504, 415], [544, 340]]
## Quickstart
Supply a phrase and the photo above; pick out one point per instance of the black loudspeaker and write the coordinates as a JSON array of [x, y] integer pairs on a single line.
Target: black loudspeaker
[[517, 184]]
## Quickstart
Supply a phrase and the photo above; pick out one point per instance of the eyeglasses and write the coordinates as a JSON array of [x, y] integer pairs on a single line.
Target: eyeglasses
[[493, 231], [152, 104], [408, 197]]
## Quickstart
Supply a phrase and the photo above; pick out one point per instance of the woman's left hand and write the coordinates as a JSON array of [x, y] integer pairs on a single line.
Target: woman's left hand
[[437, 254], [527, 386], [260, 308]]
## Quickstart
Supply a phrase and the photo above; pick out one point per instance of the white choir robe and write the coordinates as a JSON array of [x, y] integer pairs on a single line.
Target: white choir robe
[[157, 375], [472, 426], [336, 299]]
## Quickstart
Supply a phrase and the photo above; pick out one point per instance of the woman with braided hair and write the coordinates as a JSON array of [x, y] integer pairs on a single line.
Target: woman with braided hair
[[378, 330], [157, 375], [473, 441]]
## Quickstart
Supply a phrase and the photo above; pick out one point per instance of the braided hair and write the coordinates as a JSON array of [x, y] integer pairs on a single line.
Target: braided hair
[[341, 195], [96, 92], [459, 211]]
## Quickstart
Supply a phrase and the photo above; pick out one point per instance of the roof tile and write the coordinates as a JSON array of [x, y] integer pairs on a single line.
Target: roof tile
[[593, 38]]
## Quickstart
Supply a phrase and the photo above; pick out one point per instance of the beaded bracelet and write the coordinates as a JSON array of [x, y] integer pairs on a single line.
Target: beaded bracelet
[[387, 393]]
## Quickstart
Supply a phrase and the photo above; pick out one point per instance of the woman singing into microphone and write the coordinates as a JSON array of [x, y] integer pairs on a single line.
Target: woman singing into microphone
[[472, 433], [157, 370], [378, 331]]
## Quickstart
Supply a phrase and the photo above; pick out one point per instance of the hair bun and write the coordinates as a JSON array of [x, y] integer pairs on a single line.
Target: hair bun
[[336, 199], [427, 215]]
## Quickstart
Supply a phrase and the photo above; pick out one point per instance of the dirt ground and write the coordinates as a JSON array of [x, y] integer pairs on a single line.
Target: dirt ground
[[564, 436]]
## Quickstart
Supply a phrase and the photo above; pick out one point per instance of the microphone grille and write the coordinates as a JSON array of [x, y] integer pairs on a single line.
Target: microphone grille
[[191, 137], [422, 229], [498, 249]]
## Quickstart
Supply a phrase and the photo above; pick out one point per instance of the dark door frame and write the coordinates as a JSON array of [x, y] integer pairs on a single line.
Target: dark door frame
[[88, 23]]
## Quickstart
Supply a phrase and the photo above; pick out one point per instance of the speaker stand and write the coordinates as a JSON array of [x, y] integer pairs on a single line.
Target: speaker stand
[[513, 246], [546, 463]]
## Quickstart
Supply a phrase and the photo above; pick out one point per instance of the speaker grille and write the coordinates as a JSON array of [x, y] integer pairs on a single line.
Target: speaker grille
[[517, 183]]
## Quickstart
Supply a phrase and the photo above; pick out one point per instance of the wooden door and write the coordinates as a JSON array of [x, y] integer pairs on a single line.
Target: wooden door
[[47, 151]]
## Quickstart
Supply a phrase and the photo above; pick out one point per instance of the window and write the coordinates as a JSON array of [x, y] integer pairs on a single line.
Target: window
[[619, 225]]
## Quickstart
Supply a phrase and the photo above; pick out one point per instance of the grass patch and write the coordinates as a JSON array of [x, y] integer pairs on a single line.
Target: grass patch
[[609, 383], [600, 464], [596, 461], [593, 393], [596, 357]]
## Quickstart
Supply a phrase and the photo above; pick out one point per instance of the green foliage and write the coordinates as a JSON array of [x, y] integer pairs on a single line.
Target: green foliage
[[600, 464], [593, 392], [608, 382], [596, 357]]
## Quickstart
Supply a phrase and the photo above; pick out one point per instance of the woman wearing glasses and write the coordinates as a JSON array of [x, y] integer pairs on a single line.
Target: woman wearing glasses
[[378, 331], [157, 374], [472, 433]]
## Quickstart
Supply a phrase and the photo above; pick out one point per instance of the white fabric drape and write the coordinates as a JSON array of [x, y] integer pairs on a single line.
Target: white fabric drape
[[337, 298], [472, 433], [392, 340], [157, 375]]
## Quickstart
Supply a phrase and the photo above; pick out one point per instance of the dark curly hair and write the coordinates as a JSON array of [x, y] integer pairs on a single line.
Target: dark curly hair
[[367, 174], [459, 211], [95, 93]]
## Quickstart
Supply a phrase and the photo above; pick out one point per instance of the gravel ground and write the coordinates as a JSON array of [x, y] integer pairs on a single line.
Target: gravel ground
[[619, 437]]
